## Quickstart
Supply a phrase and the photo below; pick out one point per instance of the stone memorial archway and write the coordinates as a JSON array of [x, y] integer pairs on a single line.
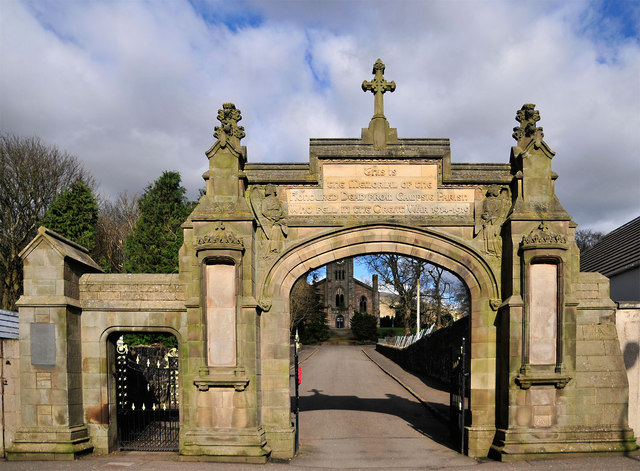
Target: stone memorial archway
[[547, 375]]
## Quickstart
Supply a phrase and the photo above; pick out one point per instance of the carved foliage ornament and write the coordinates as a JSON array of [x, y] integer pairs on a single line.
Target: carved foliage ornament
[[219, 238], [542, 235], [229, 116], [528, 116]]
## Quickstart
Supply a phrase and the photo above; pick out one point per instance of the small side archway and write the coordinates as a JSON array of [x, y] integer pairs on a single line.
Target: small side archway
[[428, 244], [168, 411]]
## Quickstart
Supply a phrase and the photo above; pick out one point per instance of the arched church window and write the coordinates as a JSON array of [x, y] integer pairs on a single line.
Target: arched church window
[[339, 298], [363, 304]]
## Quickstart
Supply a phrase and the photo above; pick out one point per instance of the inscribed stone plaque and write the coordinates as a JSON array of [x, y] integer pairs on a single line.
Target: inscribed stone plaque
[[221, 314], [543, 313], [43, 344], [380, 190]]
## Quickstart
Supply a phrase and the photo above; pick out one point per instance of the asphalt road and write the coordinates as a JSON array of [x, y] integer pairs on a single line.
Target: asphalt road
[[355, 416]]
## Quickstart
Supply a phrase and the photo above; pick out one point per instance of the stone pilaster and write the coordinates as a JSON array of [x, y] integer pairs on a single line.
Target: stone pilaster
[[52, 422], [552, 361], [220, 379]]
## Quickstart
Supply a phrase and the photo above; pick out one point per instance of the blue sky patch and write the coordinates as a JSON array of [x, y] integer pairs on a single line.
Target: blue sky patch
[[320, 75], [611, 21], [234, 15]]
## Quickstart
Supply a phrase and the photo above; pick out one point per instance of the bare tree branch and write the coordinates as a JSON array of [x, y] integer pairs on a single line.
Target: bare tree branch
[[31, 175]]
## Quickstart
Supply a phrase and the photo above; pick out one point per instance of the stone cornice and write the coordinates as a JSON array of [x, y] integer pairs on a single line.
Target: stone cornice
[[134, 306], [48, 301]]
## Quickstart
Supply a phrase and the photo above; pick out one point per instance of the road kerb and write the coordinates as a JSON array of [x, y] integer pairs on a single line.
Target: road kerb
[[420, 399]]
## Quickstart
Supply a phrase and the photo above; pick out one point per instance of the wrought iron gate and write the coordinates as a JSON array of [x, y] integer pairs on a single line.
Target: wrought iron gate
[[459, 393], [147, 397]]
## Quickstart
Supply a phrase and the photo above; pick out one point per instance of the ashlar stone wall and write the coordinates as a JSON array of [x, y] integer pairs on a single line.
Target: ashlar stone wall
[[113, 304], [628, 326], [10, 377]]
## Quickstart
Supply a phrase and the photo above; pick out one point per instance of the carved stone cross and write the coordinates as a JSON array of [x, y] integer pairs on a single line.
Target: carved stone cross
[[378, 86]]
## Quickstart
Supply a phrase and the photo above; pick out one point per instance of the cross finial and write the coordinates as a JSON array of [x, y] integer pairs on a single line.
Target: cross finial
[[378, 86]]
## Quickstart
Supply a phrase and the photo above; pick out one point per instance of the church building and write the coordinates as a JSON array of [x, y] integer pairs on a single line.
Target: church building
[[344, 295]]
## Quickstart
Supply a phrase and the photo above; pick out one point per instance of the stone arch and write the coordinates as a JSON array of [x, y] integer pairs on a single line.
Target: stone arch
[[444, 250], [440, 249]]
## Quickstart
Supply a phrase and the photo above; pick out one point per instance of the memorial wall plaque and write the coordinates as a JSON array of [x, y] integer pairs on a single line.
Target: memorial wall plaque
[[43, 344], [380, 190]]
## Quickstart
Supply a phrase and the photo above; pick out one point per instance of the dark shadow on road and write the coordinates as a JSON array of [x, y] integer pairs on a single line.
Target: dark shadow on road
[[410, 411]]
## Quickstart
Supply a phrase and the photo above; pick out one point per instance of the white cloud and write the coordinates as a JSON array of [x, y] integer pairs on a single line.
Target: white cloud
[[133, 88]]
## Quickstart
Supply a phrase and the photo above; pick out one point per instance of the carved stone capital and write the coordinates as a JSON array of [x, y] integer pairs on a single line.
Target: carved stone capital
[[543, 237], [265, 304], [219, 238]]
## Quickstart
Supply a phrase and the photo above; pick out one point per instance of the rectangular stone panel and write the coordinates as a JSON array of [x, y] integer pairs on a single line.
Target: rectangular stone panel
[[543, 313], [43, 344], [221, 314], [378, 190]]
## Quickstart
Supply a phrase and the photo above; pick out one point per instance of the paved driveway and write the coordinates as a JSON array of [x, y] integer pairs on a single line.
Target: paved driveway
[[354, 415]]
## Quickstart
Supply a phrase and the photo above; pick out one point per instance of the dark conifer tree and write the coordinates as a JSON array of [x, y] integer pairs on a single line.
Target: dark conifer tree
[[152, 246], [74, 215]]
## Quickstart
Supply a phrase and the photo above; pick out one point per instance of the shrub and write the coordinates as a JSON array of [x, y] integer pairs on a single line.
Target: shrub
[[364, 326]]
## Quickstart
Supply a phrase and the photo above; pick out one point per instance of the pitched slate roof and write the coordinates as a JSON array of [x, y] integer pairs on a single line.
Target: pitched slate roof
[[616, 252], [8, 324]]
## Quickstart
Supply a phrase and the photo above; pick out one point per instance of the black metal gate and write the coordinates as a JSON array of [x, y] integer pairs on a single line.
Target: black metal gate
[[459, 393], [295, 406], [147, 397]]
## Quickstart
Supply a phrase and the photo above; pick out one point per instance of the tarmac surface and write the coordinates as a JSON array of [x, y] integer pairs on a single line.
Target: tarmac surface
[[359, 410]]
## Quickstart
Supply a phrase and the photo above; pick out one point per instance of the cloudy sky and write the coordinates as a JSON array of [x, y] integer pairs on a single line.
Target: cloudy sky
[[133, 87]]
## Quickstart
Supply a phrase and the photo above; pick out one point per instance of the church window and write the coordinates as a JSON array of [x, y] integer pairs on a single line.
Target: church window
[[339, 299], [363, 304]]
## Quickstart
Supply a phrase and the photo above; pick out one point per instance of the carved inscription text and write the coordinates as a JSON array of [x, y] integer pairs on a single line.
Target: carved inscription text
[[380, 190]]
